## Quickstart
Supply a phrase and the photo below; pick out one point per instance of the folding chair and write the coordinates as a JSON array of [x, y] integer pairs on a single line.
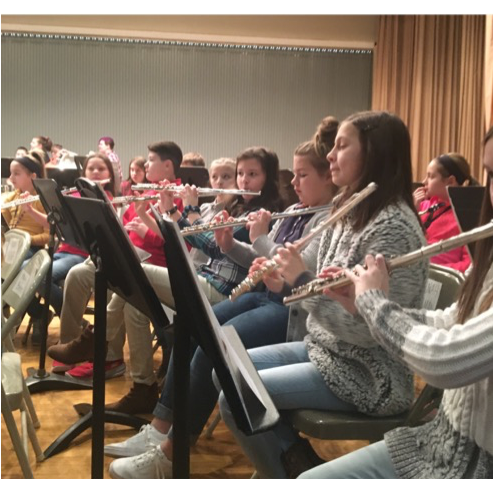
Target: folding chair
[[15, 395], [16, 245]]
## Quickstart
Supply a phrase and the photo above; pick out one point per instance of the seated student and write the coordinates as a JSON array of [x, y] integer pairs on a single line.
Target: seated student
[[193, 160], [257, 170], [56, 151], [42, 145], [136, 175], [221, 176], [29, 217], [96, 167], [20, 152], [163, 161], [433, 203], [339, 366], [259, 317], [451, 349]]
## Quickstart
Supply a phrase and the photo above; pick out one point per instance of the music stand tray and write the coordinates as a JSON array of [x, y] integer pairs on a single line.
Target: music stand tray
[[466, 204]]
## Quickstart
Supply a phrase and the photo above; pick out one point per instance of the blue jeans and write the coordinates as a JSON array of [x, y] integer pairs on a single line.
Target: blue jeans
[[371, 462], [259, 319], [293, 382], [62, 263]]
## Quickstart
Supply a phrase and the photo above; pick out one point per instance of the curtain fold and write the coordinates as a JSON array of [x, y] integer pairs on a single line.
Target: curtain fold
[[429, 71]]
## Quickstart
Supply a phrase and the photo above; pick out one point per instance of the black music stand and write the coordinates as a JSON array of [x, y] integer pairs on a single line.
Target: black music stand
[[64, 177], [6, 167], [250, 403], [79, 162], [466, 204], [198, 176], [110, 249], [60, 223]]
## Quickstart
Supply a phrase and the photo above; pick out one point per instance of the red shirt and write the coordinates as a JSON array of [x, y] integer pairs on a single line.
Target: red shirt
[[152, 243], [443, 226]]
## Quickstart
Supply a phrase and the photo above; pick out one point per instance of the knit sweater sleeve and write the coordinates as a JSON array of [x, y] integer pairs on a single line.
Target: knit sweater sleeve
[[445, 353]]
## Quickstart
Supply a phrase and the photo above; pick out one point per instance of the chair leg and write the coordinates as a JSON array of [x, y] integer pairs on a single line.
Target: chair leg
[[14, 436], [30, 406], [210, 429], [28, 330], [31, 432]]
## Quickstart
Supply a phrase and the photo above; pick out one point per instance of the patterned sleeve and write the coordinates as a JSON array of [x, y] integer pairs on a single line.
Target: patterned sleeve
[[445, 353]]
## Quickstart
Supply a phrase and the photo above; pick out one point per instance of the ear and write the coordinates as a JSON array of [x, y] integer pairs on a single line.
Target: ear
[[451, 181]]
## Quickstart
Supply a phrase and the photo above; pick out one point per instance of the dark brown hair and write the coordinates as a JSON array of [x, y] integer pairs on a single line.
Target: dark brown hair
[[483, 257], [168, 150], [270, 198], [386, 151]]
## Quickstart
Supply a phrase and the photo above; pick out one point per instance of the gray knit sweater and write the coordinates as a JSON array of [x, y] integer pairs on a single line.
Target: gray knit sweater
[[458, 443], [354, 366]]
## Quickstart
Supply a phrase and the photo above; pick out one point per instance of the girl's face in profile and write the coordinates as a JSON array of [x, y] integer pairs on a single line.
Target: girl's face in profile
[[435, 183], [309, 185], [346, 157], [21, 177]]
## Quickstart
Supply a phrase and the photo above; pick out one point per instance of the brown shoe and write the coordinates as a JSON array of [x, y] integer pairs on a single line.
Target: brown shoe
[[141, 399], [79, 350]]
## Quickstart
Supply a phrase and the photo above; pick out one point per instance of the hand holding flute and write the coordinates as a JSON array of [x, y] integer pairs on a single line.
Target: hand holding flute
[[374, 275]]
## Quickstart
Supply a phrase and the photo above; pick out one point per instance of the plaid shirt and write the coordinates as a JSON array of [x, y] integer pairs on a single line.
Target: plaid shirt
[[221, 272]]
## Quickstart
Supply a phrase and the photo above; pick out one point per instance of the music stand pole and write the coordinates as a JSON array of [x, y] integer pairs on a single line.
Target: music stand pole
[[98, 390], [181, 409]]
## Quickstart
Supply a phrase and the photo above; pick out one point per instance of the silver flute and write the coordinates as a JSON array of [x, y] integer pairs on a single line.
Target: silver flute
[[317, 286], [250, 282], [205, 227], [202, 191], [32, 199]]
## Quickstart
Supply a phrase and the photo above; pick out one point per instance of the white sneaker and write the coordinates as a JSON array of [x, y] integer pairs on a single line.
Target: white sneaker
[[147, 438], [152, 464]]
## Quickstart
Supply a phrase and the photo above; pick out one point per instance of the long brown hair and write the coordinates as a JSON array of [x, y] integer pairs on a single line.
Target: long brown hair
[[386, 148], [483, 254], [270, 198]]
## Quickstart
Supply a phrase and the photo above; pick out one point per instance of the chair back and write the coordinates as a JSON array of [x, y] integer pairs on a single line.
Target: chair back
[[16, 245], [451, 282], [22, 289]]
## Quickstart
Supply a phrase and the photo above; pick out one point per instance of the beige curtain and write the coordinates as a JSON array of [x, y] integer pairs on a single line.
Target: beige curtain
[[429, 71], [488, 73]]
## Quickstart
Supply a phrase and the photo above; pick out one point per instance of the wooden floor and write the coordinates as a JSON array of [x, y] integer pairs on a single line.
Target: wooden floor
[[218, 457]]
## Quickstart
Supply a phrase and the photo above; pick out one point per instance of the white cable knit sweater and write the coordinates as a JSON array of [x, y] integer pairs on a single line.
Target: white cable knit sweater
[[458, 443]]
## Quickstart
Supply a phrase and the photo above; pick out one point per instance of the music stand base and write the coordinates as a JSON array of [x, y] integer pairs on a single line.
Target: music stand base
[[41, 381], [65, 439]]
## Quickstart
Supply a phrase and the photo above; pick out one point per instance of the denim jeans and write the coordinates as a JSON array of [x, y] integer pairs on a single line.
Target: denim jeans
[[371, 462], [293, 382], [260, 319], [62, 263]]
